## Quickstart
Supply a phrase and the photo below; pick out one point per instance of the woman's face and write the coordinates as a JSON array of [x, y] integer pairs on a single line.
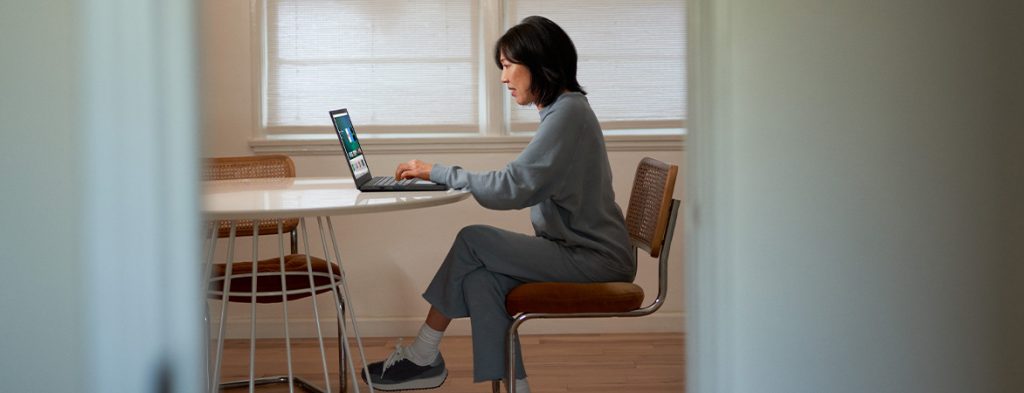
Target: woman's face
[[517, 78]]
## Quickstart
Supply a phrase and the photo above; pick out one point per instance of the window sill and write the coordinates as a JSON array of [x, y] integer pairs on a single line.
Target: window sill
[[392, 144]]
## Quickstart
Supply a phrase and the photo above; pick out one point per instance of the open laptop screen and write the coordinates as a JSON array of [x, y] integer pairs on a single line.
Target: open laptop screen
[[350, 143]]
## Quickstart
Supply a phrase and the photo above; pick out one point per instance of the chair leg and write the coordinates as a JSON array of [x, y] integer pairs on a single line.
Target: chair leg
[[294, 240], [342, 348], [510, 349], [496, 386], [206, 341]]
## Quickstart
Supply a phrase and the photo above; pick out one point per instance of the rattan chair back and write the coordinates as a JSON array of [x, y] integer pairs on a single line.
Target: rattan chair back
[[251, 167], [649, 204]]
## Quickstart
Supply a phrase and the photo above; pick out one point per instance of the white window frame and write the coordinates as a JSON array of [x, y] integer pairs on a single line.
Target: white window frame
[[495, 134]]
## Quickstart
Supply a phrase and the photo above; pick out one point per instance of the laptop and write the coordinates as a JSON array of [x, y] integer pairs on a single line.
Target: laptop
[[361, 171]]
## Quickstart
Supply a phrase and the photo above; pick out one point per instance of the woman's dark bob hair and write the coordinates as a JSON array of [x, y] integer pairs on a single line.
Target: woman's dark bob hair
[[549, 54]]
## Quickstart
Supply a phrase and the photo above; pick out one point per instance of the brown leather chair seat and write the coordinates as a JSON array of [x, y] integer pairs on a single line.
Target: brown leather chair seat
[[558, 297], [296, 279]]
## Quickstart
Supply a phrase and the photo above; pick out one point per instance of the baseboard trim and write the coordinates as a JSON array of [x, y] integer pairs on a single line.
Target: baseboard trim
[[665, 322]]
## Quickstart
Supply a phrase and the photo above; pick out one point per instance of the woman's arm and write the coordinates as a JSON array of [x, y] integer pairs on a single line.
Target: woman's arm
[[535, 175]]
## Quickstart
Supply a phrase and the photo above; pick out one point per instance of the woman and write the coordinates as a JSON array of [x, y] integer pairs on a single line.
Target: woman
[[563, 176]]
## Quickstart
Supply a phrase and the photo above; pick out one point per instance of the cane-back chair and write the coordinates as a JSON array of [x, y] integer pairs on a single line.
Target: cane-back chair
[[277, 280], [650, 220]]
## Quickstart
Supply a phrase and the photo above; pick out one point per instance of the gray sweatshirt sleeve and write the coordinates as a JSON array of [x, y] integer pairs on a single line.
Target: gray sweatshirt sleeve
[[533, 176]]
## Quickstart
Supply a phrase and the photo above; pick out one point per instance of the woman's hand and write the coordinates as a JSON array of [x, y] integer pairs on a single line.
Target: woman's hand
[[413, 169]]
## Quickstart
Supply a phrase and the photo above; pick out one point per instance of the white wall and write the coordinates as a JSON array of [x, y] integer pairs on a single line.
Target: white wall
[[390, 263], [851, 187]]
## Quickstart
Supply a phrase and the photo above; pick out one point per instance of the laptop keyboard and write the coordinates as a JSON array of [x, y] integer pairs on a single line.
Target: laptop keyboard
[[389, 181]]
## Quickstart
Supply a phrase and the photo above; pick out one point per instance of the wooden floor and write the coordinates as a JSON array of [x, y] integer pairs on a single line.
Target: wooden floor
[[633, 363]]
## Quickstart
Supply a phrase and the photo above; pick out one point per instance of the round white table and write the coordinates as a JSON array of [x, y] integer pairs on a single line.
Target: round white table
[[282, 198], [309, 197]]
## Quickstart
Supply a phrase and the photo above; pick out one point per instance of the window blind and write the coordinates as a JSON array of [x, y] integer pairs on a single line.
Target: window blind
[[631, 59], [403, 66]]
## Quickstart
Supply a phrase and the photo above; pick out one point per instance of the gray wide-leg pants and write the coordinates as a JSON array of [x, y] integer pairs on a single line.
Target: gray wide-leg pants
[[483, 265]]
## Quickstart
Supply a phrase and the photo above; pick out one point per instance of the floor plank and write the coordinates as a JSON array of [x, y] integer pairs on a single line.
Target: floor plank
[[638, 363]]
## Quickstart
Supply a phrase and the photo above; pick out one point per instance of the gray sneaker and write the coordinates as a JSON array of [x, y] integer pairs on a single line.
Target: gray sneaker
[[397, 372]]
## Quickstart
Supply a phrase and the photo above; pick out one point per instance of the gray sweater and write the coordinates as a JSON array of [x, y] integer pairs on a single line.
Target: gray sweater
[[564, 177]]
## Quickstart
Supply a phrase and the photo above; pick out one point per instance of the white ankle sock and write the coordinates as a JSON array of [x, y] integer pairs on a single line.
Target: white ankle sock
[[522, 386], [424, 350]]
